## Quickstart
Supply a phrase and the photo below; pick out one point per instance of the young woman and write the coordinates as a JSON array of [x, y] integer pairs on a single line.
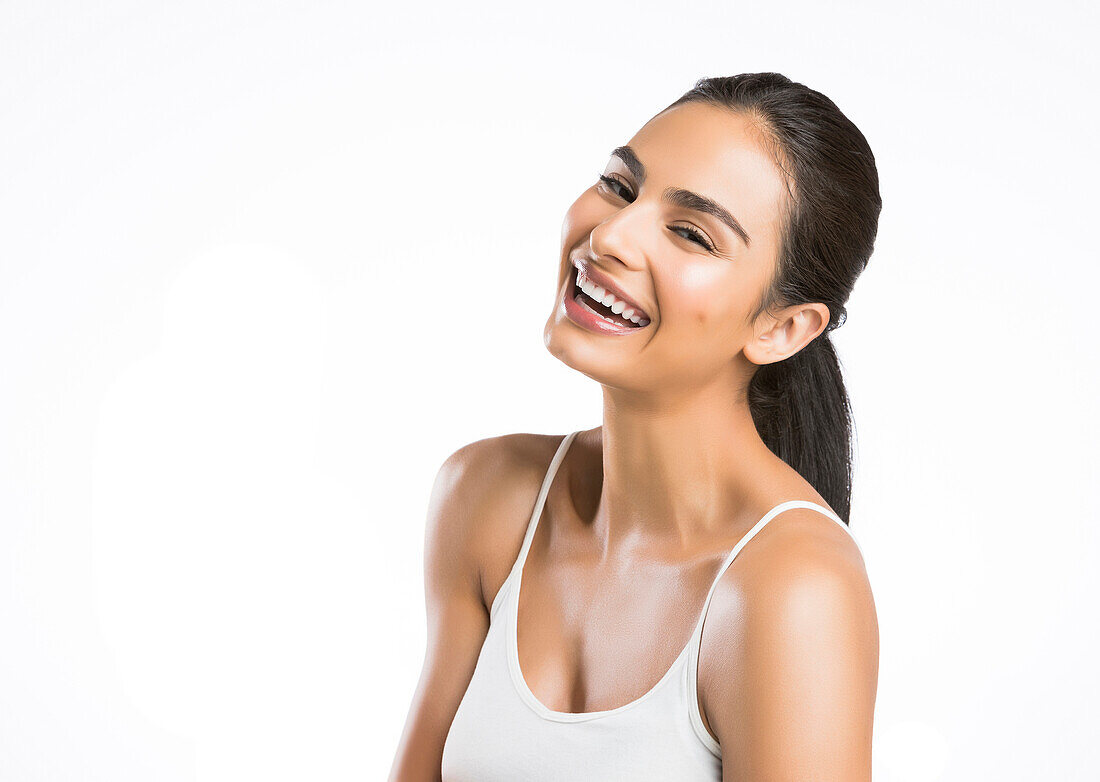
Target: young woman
[[699, 279]]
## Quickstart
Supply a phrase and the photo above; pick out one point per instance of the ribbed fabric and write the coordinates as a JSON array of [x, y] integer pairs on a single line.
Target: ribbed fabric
[[502, 733]]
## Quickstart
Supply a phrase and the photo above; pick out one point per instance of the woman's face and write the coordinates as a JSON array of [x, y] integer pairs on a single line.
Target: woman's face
[[696, 276]]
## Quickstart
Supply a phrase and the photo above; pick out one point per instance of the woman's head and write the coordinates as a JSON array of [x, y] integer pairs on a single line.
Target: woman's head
[[738, 220]]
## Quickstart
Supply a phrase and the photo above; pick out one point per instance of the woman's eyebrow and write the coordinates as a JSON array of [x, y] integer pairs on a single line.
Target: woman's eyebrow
[[678, 196]]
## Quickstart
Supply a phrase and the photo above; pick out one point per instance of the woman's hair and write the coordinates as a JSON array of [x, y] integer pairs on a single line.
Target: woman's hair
[[828, 225]]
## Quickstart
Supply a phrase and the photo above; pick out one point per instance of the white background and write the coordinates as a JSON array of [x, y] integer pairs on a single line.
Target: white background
[[245, 269]]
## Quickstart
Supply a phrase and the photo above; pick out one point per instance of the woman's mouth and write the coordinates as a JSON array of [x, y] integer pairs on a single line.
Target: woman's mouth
[[593, 302]]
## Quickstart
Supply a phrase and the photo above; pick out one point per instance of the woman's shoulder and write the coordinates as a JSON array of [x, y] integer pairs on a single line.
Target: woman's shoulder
[[794, 621], [488, 470], [489, 487], [800, 554]]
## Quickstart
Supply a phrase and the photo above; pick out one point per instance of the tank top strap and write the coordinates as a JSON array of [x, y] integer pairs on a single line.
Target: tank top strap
[[697, 636], [536, 513], [771, 514], [540, 501]]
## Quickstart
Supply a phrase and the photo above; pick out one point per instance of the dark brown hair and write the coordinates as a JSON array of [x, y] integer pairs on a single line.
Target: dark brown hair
[[830, 219]]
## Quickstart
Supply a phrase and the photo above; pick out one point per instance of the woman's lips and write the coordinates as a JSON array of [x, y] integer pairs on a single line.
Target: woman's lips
[[578, 311], [599, 278]]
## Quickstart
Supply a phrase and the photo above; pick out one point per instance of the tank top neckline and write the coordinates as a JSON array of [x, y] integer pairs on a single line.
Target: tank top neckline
[[515, 578]]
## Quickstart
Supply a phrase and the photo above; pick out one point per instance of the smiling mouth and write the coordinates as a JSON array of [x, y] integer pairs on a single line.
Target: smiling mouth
[[622, 318]]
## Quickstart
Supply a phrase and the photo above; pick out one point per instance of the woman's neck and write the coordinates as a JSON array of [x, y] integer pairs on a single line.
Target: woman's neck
[[674, 472]]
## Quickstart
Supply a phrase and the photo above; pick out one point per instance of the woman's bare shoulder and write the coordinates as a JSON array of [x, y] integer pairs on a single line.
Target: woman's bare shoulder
[[487, 489], [793, 630], [800, 556]]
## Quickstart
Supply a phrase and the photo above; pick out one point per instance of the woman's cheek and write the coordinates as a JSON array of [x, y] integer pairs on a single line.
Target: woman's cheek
[[699, 296]]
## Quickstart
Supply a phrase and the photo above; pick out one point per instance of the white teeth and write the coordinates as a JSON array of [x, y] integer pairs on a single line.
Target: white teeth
[[618, 306]]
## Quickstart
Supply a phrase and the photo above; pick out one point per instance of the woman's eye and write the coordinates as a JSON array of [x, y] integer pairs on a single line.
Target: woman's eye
[[694, 234], [612, 183]]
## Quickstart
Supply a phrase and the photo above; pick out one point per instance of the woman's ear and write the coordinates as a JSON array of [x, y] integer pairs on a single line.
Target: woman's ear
[[783, 336]]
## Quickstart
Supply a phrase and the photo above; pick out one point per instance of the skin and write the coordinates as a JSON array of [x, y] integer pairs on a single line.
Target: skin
[[645, 507]]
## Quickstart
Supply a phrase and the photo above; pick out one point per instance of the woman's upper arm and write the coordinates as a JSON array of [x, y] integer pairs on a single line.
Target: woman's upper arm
[[457, 618], [792, 691]]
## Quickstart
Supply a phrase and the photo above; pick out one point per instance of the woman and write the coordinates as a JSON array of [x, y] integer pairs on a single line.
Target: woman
[[699, 278]]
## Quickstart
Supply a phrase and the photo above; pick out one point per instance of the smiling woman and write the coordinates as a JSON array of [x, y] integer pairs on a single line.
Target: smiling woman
[[699, 277]]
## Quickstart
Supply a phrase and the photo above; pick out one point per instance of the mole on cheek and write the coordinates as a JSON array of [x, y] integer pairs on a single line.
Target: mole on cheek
[[697, 288]]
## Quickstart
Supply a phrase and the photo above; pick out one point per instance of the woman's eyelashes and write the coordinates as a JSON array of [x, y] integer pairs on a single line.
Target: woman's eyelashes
[[695, 235], [611, 182]]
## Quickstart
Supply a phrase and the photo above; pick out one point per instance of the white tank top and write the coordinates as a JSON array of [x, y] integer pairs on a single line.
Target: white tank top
[[502, 733]]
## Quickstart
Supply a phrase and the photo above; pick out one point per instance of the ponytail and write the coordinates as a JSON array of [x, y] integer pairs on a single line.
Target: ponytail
[[802, 412]]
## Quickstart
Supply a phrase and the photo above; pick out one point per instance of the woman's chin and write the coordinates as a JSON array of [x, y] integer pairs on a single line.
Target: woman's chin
[[579, 351]]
